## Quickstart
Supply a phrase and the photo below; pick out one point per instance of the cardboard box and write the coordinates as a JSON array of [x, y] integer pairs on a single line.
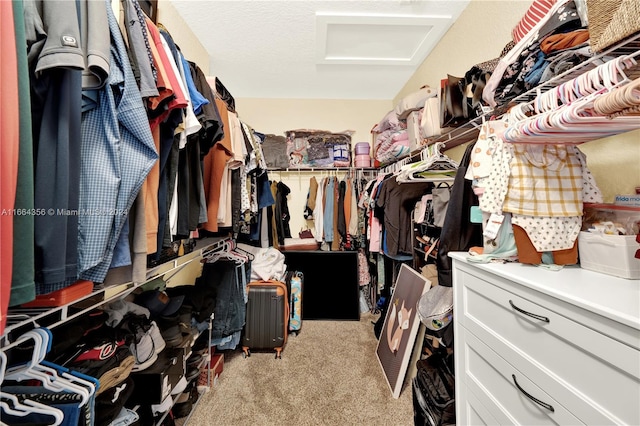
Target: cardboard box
[[609, 254], [216, 367]]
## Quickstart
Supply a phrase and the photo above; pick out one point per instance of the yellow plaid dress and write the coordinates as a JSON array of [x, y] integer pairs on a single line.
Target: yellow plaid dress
[[547, 187]]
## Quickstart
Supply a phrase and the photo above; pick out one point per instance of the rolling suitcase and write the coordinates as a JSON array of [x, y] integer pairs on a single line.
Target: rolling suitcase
[[294, 286], [267, 317]]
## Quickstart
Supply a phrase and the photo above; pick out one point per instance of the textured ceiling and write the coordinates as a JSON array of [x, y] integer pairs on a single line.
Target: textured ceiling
[[318, 49]]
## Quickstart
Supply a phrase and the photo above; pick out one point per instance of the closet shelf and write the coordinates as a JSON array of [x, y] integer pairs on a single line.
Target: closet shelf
[[21, 320], [470, 130], [319, 169]]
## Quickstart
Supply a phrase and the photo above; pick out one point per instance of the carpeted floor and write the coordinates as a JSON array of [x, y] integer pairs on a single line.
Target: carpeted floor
[[328, 375]]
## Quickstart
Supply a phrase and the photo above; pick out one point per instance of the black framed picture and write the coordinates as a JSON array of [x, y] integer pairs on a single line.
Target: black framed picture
[[400, 327]]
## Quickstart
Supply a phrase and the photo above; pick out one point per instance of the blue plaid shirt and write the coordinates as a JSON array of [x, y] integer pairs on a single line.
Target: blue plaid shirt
[[117, 154]]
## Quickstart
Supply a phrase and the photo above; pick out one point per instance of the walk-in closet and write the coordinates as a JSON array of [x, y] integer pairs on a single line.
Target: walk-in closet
[[420, 212]]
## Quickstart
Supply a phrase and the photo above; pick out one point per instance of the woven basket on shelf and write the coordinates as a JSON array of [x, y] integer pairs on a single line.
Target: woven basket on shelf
[[611, 21]]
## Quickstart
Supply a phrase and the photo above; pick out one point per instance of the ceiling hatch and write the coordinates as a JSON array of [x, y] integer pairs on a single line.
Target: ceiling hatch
[[377, 39]]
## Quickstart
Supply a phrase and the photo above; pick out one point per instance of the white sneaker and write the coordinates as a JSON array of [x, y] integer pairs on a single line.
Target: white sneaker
[[158, 341], [144, 352]]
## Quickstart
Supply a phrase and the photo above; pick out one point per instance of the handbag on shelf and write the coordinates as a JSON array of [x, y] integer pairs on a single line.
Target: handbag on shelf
[[305, 233], [430, 118], [456, 108]]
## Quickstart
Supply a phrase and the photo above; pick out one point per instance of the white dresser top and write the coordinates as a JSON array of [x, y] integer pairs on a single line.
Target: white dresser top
[[612, 297]]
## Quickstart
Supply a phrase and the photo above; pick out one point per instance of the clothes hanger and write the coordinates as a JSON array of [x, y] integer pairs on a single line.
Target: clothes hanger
[[87, 382], [235, 251], [225, 253], [618, 100], [47, 376], [433, 167], [246, 253], [26, 407], [575, 120]]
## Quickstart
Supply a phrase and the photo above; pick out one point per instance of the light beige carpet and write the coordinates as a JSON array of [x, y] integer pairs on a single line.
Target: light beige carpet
[[328, 375]]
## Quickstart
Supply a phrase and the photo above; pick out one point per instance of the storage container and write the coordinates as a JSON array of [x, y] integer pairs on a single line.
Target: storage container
[[609, 254], [362, 148], [341, 155], [362, 160]]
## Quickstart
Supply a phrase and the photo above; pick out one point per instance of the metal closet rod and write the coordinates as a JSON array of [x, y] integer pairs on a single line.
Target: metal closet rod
[[316, 169]]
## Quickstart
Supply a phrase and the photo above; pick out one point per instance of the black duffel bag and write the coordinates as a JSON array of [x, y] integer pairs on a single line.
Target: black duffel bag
[[434, 391]]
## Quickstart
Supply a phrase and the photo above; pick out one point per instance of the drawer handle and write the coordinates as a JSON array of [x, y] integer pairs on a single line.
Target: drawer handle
[[522, 311], [531, 397]]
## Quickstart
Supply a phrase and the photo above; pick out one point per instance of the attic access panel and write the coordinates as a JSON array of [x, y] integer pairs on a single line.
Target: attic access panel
[[367, 39]]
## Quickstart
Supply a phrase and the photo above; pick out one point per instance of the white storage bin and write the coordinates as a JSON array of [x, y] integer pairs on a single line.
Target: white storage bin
[[609, 254]]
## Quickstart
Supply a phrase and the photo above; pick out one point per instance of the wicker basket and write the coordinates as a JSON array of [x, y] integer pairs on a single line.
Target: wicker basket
[[611, 21]]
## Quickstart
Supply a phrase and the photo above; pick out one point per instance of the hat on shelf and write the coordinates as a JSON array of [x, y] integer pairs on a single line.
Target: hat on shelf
[[159, 303]]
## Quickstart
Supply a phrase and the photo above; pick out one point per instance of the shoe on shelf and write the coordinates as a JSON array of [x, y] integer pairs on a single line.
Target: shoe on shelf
[[183, 405], [144, 353], [158, 342], [180, 386], [172, 336]]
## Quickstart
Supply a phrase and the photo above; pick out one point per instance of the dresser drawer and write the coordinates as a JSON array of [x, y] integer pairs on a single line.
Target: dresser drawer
[[592, 375], [500, 387], [475, 413]]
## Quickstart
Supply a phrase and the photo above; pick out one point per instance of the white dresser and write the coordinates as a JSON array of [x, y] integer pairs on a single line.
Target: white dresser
[[536, 347]]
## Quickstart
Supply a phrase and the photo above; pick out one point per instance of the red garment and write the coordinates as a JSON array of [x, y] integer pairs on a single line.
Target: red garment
[[533, 15], [179, 101], [10, 131]]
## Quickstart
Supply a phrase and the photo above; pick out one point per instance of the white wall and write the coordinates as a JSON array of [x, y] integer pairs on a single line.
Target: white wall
[[189, 44], [615, 163], [478, 35], [276, 116]]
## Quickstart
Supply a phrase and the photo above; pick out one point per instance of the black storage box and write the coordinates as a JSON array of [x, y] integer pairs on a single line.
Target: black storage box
[[155, 383]]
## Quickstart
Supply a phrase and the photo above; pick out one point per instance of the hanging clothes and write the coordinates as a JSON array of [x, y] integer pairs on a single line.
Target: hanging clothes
[[214, 168], [112, 173], [397, 201], [140, 55], [56, 98], [22, 274], [10, 125], [328, 210], [281, 214], [229, 279], [318, 213], [311, 198], [458, 233]]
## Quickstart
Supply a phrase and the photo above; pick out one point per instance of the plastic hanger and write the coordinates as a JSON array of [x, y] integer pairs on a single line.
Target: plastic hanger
[[617, 100], [87, 382], [227, 252], [433, 167], [47, 376], [26, 407], [576, 120]]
